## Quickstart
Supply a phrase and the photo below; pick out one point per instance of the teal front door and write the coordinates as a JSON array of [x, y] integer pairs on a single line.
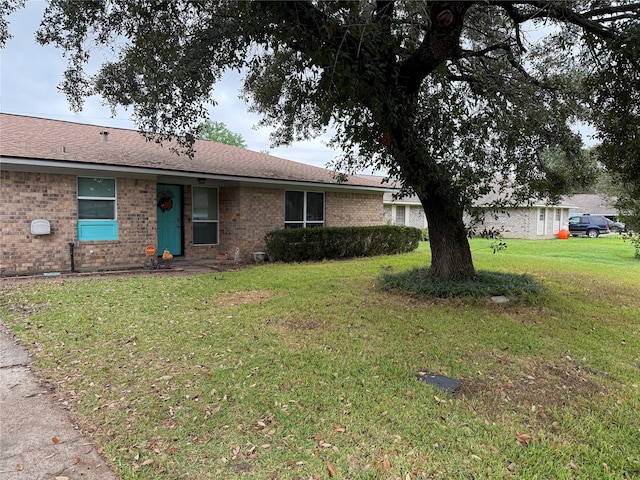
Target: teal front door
[[169, 219]]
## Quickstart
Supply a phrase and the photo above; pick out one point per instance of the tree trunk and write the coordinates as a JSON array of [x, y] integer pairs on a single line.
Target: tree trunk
[[450, 251]]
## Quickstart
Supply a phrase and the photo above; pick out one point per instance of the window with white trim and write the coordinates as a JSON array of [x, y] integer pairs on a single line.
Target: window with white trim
[[205, 215], [97, 209], [96, 198], [303, 209]]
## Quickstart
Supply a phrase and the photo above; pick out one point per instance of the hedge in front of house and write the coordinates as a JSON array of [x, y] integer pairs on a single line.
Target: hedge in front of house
[[318, 243]]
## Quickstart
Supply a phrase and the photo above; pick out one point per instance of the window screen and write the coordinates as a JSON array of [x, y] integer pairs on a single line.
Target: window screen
[[205, 216]]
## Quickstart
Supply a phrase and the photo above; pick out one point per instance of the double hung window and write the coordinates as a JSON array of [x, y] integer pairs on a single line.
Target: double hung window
[[205, 216], [97, 209], [303, 209]]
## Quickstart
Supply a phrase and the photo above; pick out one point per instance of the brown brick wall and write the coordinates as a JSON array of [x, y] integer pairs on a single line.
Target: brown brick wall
[[249, 213], [353, 209], [246, 214], [25, 197], [136, 204]]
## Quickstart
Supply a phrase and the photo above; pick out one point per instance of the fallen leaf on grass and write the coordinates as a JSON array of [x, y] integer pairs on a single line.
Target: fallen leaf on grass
[[386, 464], [331, 469], [339, 429], [523, 439]]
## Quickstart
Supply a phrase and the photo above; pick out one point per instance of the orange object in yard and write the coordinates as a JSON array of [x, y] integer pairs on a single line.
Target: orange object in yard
[[150, 250], [166, 255], [563, 234]]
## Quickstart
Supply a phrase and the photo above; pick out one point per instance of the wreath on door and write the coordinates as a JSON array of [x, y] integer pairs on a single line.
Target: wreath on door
[[165, 200]]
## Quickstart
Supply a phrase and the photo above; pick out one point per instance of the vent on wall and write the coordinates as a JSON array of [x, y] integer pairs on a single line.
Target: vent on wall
[[40, 227]]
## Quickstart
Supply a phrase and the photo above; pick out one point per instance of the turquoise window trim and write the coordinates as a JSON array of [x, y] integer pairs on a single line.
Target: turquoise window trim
[[92, 230]]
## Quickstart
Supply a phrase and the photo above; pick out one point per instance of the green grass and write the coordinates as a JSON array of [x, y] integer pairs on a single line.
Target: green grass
[[299, 371]]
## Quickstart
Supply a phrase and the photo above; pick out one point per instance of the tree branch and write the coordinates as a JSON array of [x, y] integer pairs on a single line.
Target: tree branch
[[633, 7], [484, 51], [441, 42], [586, 20]]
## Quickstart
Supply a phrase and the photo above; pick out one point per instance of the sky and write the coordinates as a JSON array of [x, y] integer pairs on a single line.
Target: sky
[[31, 73]]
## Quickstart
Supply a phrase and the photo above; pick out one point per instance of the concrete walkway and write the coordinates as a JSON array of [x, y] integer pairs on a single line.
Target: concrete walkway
[[38, 440]]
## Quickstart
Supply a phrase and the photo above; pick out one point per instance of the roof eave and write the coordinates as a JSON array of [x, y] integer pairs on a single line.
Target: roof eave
[[82, 168]]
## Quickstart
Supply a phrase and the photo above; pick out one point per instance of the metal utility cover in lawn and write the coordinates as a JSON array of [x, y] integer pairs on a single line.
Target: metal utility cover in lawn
[[447, 384]]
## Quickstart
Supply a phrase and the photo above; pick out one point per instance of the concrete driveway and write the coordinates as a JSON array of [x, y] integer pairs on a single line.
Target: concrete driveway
[[38, 440]]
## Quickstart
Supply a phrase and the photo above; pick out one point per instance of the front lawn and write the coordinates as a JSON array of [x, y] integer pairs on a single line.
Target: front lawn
[[308, 371]]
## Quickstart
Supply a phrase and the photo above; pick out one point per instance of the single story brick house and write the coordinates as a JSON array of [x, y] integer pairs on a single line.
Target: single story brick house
[[84, 197], [535, 221]]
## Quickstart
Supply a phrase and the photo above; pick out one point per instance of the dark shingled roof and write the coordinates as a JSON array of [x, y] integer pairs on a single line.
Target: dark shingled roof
[[32, 138]]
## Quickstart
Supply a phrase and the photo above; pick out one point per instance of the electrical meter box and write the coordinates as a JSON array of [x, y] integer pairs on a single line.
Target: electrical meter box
[[40, 227]]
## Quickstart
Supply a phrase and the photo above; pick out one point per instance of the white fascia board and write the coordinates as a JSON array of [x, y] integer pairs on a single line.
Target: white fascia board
[[81, 168]]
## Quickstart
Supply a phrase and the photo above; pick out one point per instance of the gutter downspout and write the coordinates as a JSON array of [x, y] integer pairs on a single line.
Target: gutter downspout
[[71, 255]]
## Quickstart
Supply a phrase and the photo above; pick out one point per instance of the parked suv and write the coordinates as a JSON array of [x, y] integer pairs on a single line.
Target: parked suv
[[590, 225]]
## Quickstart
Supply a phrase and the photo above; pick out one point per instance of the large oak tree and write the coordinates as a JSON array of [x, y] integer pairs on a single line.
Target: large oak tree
[[454, 99]]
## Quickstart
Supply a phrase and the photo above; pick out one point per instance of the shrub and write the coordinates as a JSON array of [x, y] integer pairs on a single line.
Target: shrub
[[304, 244], [634, 238]]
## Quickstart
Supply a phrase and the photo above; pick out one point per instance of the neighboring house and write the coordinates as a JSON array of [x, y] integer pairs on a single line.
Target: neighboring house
[[593, 204], [537, 220], [405, 211], [85, 197]]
